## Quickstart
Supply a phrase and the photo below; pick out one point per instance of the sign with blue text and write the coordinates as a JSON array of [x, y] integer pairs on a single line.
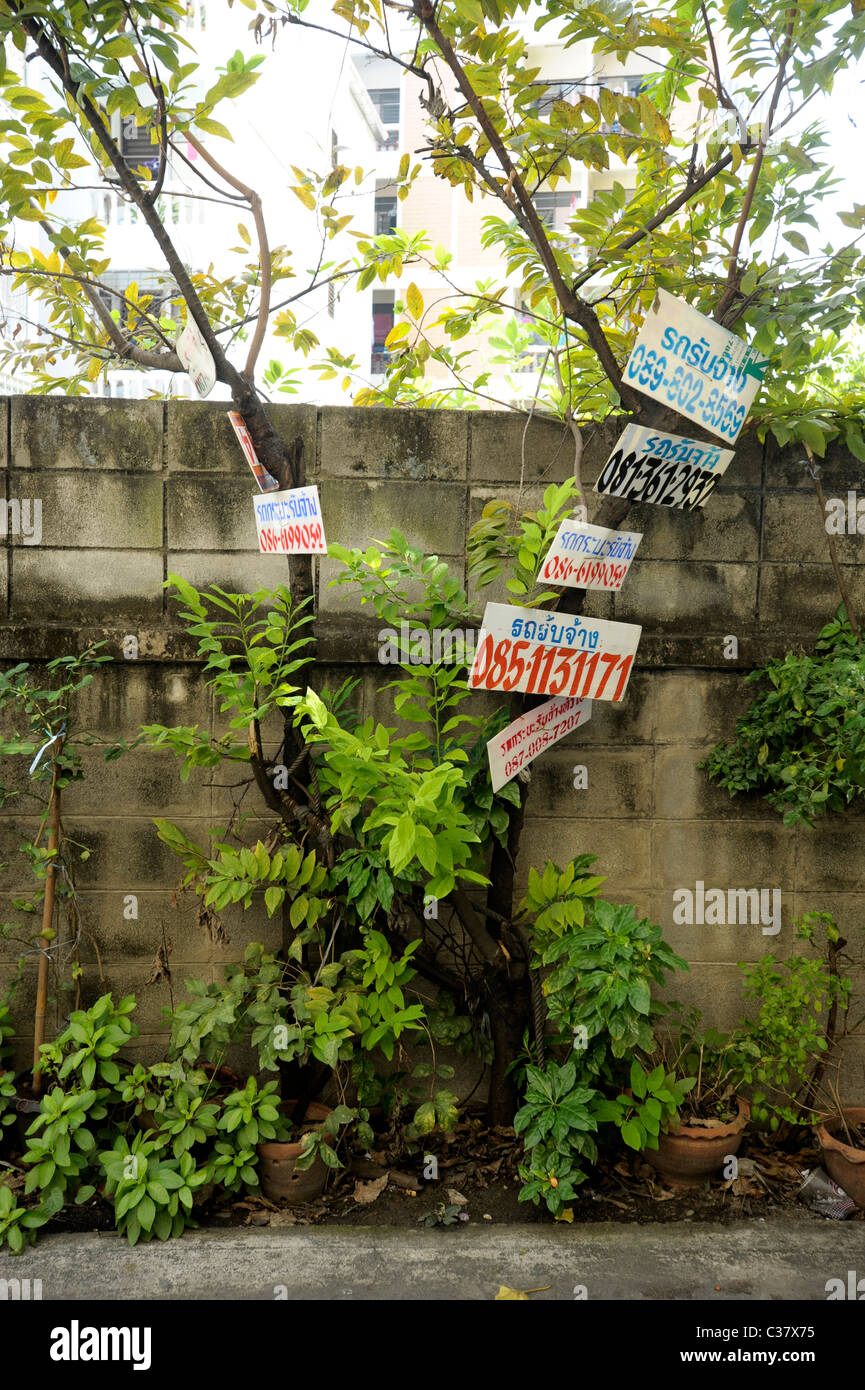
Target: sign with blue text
[[667, 469], [544, 653], [589, 557], [689, 362], [289, 522]]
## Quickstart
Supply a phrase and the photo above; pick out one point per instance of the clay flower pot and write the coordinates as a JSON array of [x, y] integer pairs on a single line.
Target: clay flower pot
[[845, 1164], [280, 1181], [689, 1154]]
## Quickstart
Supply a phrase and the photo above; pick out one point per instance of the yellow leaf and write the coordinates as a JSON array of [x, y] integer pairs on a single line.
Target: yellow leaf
[[566, 1215], [414, 300], [396, 334], [519, 1295]]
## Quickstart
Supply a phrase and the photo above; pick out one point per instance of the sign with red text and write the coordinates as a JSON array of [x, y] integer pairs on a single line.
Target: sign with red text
[[522, 741], [196, 357], [265, 480], [667, 469], [543, 653], [688, 361], [289, 523], [589, 557]]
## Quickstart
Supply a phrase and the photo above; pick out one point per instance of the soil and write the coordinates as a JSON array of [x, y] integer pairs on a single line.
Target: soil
[[854, 1135], [477, 1176]]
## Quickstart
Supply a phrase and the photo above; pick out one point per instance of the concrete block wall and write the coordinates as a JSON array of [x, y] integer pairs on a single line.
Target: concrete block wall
[[132, 491]]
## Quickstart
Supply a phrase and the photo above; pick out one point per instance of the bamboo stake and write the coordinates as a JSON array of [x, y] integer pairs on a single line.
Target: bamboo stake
[[45, 937]]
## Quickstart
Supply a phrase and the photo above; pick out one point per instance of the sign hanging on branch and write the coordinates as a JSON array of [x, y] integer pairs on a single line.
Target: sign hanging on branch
[[650, 466], [543, 653], [196, 357], [265, 480], [589, 557], [289, 523], [687, 361], [523, 740]]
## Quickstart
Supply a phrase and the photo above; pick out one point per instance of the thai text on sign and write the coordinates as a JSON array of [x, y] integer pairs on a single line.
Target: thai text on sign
[[667, 469], [523, 740], [589, 557], [689, 362], [289, 523], [543, 653]]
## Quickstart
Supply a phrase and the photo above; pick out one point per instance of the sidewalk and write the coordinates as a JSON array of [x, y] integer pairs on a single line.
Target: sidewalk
[[750, 1260]]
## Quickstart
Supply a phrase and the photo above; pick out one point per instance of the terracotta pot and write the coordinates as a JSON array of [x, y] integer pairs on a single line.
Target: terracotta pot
[[279, 1179], [689, 1154], [845, 1164]]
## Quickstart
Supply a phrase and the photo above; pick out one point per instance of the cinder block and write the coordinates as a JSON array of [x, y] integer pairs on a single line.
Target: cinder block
[[238, 572], [84, 511], [501, 442], [126, 853], [698, 706], [125, 695], [799, 599], [200, 437], [794, 531], [715, 989], [788, 468], [724, 855], [622, 846], [142, 782], [727, 942], [829, 857], [683, 790], [107, 586], [619, 784], [630, 721], [431, 516], [727, 530], [79, 433], [212, 513], [106, 920], [677, 597], [379, 443]]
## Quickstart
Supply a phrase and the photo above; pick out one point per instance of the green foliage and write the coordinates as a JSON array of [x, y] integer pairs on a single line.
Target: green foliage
[[62, 1142], [801, 743], [600, 962], [85, 1051], [19, 1224], [152, 1194], [501, 543]]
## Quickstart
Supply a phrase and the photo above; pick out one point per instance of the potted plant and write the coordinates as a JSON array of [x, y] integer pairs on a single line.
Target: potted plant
[[841, 1137], [686, 1114]]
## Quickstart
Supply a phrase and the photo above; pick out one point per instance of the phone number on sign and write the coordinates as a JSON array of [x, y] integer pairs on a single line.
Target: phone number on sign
[[650, 479], [305, 539], [684, 389], [548, 670]]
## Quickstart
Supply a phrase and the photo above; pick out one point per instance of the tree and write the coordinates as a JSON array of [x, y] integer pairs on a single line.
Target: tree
[[697, 225]]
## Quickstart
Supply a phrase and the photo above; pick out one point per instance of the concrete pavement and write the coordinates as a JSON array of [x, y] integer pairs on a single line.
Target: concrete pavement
[[749, 1260]]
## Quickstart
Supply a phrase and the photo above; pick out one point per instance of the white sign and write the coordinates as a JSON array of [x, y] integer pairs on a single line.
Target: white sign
[[196, 357], [650, 466], [522, 741], [689, 362], [545, 653], [589, 557], [289, 523]]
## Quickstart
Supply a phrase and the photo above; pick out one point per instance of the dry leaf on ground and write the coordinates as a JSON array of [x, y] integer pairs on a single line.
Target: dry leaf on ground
[[366, 1192]]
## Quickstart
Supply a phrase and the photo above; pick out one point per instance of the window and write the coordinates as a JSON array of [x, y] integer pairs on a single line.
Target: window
[[385, 215], [386, 102], [136, 145], [148, 282], [555, 209], [382, 323]]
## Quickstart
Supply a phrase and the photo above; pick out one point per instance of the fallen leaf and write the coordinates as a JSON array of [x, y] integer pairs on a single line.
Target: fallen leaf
[[521, 1295], [457, 1197], [566, 1215], [366, 1192]]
